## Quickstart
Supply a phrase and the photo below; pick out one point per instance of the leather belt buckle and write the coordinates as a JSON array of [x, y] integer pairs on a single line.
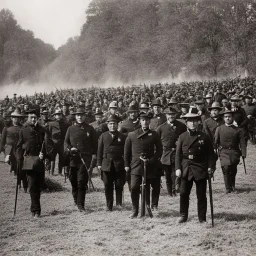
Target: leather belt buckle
[[190, 157]]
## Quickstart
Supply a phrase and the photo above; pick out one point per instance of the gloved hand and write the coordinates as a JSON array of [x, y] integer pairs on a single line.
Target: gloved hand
[[7, 159], [210, 172], [178, 173], [127, 169], [41, 156], [73, 151]]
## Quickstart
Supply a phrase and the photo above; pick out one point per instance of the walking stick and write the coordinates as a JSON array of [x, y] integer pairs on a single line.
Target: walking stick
[[211, 200], [244, 165], [89, 177], [143, 191]]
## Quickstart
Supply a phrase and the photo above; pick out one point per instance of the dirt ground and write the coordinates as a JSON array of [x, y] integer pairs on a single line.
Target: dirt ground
[[62, 230]]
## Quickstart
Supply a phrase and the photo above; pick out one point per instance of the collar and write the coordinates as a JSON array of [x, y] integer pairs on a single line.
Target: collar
[[192, 133], [228, 125]]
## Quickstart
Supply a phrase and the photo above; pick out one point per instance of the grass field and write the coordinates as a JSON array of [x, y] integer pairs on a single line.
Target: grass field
[[62, 230]]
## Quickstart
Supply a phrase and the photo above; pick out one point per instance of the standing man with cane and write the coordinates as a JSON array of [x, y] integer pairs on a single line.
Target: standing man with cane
[[147, 142], [31, 153], [194, 161], [81, 145]]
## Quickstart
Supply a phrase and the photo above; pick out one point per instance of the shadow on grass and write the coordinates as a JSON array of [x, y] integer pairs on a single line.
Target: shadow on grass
[[167, 214], [245, 190], [235, 216], [51, 185]]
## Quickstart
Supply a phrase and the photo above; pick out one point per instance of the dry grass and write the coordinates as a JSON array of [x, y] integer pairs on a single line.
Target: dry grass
[[62, 230]]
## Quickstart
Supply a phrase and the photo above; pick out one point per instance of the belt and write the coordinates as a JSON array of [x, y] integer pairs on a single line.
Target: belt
[[191, 157], [221, 147]]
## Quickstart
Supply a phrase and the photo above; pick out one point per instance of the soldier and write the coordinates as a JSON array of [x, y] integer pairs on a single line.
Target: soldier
[[30, 150], [240, 119], [169, 133], [158, 117], [8, 145], [215, 120], [147, 142], [208, 100], [250, 110], [111, 163], [202, 111], [218, 95], [100, 127], [230, 141], [56, 133], [144, 107], [193, 162], [132, 123], [81, 145]]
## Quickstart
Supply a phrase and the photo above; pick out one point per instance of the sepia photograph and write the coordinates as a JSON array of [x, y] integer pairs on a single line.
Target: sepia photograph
[[127, 127]]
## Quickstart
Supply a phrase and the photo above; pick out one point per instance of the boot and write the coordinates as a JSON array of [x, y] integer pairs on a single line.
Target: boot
[[183, 218], [80, 200], [169, 189], [135, 205], [119, 197], [60, 171], [227, 183], [110, 199], [52, 167]]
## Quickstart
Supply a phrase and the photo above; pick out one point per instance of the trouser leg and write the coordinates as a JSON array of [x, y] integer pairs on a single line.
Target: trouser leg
[[185, 189], [233, 173], [108, 179], [82, 179], [135, 192], [156, 186], [201, 199], [35, 184], [119, 185], [168, 178], [227, 177], [73, 181]]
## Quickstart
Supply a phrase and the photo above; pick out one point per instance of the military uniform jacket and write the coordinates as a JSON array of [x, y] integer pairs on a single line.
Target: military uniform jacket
[[194, 155], [30, 143], [157, 120], [57, 131], [231, 142], [111, 151], [82, 137], [210, 125], [129, 126], [169, 136], [241, 118], [9, 139], [138, 142]]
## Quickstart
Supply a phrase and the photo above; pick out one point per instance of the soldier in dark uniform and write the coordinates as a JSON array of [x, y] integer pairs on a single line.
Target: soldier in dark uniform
[[231, 143], [147, 142], [169, 133], [218, 95], [202, 111], [80, 144], [250, 111], [110, 161], [215, 120], [8, 145], [194, 161], [240, 119], [30, 144], [158, 117], [100, 127], [132, 123], [56, 133]]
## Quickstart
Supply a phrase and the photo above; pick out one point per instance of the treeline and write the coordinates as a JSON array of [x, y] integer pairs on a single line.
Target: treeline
[[132, 40], [22, 57]]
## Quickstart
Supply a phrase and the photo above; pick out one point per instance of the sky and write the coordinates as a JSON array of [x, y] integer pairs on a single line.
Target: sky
[[53, 21]]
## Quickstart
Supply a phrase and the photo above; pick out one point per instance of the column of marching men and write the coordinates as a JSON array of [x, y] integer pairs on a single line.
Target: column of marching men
[[181, 142]]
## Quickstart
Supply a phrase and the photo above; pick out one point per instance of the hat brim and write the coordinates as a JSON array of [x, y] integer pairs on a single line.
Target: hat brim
[[219, 108], [76, 113], [189, 115], [159, 105]]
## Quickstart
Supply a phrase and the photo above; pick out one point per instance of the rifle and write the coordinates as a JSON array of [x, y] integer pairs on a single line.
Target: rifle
[[89, 176], [143, 190], [244, 165], [211, 200]]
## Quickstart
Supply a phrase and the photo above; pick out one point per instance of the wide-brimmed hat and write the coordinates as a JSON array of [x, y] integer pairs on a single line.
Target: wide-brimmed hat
[[113, 118], [235, 98], [192, 113], [145, 115], [172, 101], [132, 108], [226, 111], [113, 104], [57, 112], [199, 102], [16, 113], [144, 105], [98, 112], [215, 105], [79, 111], [44, 112], [184, 105], [208, 96], [31, 111], [248, 97], [156, 102], [170, 111]]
